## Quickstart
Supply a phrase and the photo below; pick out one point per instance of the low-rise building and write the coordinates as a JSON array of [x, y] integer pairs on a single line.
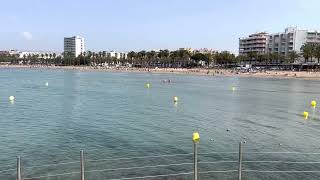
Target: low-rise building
[[9, 53], [118, 55]]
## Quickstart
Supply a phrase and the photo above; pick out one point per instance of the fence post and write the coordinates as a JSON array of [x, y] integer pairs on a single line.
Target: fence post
[[240, 160], [195, 139], [19, 168], [81, 165], [195, 160]]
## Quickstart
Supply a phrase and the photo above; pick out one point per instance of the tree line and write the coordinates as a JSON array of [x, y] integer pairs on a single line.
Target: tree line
[[310, 51], [166, 58], [162, 58]]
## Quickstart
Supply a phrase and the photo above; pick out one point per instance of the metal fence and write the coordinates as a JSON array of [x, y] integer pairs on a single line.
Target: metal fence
[[238, 167]]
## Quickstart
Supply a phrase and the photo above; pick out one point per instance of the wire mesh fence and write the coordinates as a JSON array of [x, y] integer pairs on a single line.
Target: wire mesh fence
[[213, 165]]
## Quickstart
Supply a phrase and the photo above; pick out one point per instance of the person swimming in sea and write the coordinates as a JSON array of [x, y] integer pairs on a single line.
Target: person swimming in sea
[[166, 81]]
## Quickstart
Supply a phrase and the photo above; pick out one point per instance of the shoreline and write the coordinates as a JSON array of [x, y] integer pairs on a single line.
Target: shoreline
[[194, 71]]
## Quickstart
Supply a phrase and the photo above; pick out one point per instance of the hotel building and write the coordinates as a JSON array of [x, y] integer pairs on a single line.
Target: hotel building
[[256, 43], [74, 45]]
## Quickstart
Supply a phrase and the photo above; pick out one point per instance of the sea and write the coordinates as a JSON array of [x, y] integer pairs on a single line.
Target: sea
[[129, 131]]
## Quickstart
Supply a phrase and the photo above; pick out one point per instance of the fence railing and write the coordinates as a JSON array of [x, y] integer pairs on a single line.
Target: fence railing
[[239, 163]]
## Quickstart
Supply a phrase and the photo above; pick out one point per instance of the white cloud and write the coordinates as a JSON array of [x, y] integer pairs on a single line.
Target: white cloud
[[27, 35]]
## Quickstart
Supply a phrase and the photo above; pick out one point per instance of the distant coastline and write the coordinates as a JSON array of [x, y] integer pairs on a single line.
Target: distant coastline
[[192, 71]]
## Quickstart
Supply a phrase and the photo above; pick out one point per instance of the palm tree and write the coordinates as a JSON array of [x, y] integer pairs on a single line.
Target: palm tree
[[164, 54], [293, 55], [174, 55], [151, 55], [209, 57], [132, 55], [50, 58], [141, 56], [184, 57], [241, 58], [282, 58], [261, 58], [89, 54], [317, 52], [34, 58], [307, 51], [252, 56], [275, 57]]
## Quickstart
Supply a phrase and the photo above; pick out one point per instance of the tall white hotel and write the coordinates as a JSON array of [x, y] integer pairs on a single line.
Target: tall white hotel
[[74, 45]]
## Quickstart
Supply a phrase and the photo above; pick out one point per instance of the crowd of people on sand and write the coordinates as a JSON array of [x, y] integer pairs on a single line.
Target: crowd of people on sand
[[194, 71]]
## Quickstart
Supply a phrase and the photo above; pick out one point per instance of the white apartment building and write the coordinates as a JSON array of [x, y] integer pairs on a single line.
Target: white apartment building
[[74, 45], [283, 43], [118, 55], [255, 43]]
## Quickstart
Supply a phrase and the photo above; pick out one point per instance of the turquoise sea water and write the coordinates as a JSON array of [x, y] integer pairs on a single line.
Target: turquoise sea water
[[113, 115]]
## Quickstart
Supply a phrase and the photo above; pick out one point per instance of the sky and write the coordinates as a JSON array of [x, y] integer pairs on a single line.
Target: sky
[[125, 25]]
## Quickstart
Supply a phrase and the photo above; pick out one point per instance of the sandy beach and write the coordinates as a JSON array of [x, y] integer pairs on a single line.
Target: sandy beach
[[194, 71]]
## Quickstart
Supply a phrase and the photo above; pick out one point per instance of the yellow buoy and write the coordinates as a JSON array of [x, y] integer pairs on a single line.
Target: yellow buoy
[[148, 85], [175, 99], [305, 114], [11, 98], [195, 137], [233, 88], [313, 104]]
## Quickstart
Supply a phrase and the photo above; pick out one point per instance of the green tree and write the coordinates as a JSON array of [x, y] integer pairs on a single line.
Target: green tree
[[132, 56], [68, 58], [174, 56], [200, 57], [141, 56], [292, 57], [274, 57], [183, 58], [252, 56], [261, 58], [307, 51], [164, 54], [241, 58], [317, 52], [89, 54]]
